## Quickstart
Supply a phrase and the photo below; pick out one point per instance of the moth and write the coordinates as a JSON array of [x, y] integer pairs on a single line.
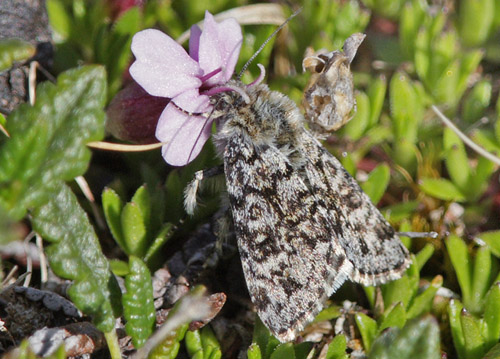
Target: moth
[[303, 224]]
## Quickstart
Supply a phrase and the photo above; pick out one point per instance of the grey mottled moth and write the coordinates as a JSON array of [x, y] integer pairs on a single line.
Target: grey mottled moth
[[303, 224]]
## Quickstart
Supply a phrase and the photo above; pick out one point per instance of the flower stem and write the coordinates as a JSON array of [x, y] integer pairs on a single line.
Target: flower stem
[[113, 346]]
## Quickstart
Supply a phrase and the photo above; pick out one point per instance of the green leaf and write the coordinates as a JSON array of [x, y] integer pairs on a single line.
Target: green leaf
[[419, 339], [181, 314], [134, 230], [492, 316], [376, 93], [349, 164], [405, 154], [475, 18], [253, 351], [272, 344], [480, 180], [423, 256], [14, 50], [474, 342], [261, 336], [112, 206], [444, 58], [303, 350], [488, 139], [161, 238], [492, 239], [406, 108], [494, 353], [405, 226], [370, 293], [47, 142], [113, 345], [202, 344], [59, 18], [284, 351], [395, 316], [397, 291], [423, 302], [413, 275], [457, 333], [119, 268], [115, 50], [337, 348], [422, 53], [377, 182], [477, 101], [468, 64], [410, 21], [460, 259], [169, 347], [400, 211], [210, 344], [368, 329], [481, 279], [329, 313], [138, 302], [456, 159], [442, 189], [142, 199], [446, 89], [193, 343], [356, 127], [76, 255]]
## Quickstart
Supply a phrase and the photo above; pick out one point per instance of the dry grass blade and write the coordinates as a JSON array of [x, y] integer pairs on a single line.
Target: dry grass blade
[[257, 14]]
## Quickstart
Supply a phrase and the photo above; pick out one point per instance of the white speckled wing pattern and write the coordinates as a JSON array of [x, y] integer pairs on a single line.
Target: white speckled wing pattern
[[290, 260], [369, 241]]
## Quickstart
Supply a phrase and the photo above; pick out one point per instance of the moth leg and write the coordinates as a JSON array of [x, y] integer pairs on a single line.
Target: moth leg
[[418, 234], [191, 190]]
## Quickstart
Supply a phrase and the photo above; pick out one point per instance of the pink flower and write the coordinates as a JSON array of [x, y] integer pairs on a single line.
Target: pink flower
[[164, 69]]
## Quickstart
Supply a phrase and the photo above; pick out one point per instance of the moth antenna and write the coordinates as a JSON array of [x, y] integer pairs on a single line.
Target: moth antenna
[[265, 43]]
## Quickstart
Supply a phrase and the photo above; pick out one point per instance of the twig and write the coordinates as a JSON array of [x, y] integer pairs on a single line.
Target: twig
[[29, 260], [43, 260], [32, 82], [109, 146], [9, 276], [269, 14], [474, 146], [85, 188], [193, 306]]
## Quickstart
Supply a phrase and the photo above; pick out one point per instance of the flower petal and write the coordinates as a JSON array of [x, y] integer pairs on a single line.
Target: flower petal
[[194, 42], [191, 101], [220, 45], [162, 67], [185, 135]]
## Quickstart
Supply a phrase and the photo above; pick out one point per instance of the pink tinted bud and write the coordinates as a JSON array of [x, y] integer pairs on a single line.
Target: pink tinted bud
[[133, 114]]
